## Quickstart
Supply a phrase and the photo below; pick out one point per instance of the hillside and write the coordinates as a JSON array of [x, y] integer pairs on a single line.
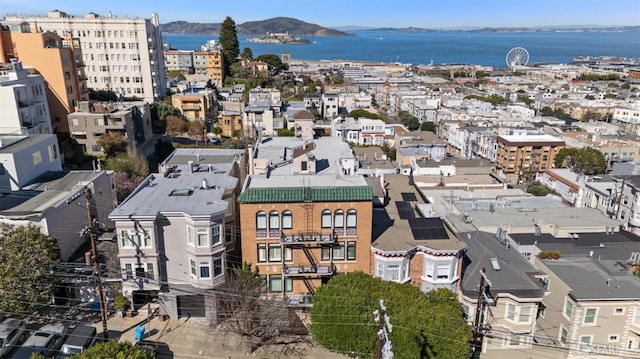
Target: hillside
[[293, 26]]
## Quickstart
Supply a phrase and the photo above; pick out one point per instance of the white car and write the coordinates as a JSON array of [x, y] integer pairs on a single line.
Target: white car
[[11, 333]]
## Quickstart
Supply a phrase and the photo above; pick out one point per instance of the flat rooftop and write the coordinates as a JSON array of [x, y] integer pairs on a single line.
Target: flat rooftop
[[591, 279]]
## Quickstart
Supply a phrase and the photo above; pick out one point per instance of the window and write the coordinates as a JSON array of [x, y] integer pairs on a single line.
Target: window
[[202, 237], [262, 253], [215, 235], [191, 235], [613, 338], [274, 220], [351, 218], [618, 311], [541, 310], [288, 254], [338, 251], [217, 265], [636, 317], [525, 313], [150, 274], [36, 158], [338, 219], [275, 283], [326, 218], [428, 269], [53, 152], [563, 335], [128, 270], [443, 271], [511, 311], [261, 220], [287, 220], [590, 316], [263, 283], [514, 340], [392, 272], [568, 307], [288, 284], [275, 253], [204, 270], [351, 251], [95, 148], [192, 264], [326, 253], [585, 342], [303, 166], [380, 270]]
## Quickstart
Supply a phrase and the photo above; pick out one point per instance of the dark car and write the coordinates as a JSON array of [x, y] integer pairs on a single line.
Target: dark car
[[148, 346]]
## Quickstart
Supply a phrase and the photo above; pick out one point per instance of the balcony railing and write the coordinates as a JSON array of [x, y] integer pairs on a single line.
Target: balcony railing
[[299, 271], [191, 107], [308, 237], [299, 300]]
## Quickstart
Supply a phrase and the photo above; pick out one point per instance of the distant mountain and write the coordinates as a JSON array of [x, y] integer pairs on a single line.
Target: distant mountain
[[565, 28], [293, 26]]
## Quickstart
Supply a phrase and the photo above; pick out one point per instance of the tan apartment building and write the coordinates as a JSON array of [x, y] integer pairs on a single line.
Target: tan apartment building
[[92, 120], [194, 105], [521, 157], [305, 215], [209, 63], [59, 60]]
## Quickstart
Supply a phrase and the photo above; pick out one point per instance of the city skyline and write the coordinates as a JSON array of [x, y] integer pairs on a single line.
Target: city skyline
[[403, 13]]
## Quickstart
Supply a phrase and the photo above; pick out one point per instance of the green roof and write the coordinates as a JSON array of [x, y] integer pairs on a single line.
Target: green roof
[[301, 194]]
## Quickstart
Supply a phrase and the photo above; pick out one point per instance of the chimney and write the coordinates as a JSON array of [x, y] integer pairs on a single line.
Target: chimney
[[198, 157], [190, 163], [205, 185]]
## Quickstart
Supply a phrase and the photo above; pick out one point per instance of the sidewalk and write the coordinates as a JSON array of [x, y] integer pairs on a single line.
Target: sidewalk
[[193, 338]]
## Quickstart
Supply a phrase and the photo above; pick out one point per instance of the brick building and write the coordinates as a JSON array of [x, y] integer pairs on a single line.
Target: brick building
[[523, 156]]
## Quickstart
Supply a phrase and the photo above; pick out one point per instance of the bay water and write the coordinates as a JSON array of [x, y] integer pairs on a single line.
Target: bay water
[[443, 47]]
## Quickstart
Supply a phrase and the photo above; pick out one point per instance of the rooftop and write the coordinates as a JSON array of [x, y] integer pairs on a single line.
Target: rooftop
[[591, 279], [531, 138], [513, 273], [392, 230]]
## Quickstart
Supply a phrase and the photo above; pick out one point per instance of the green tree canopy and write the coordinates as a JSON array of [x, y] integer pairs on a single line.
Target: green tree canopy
[[425, 325], [275, 63], [428, 126], [585, 161], [26, 259], [113, 143], [538, 189], [247, 54], [229, 41], [409, 120], [133, 163], [360, 113], [115, 350], [160, 110]]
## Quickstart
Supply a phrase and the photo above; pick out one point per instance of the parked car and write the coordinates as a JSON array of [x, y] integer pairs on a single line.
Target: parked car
[[46, 341], [149, 346], [80, 339], [12, 332]]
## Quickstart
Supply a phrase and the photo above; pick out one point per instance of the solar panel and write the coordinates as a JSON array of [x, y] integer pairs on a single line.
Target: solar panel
[[405, 211], [409, 196], [427, 228]]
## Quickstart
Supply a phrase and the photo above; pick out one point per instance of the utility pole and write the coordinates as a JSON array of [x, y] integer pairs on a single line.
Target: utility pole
[[383, 344], [96, 265], [477, 325]]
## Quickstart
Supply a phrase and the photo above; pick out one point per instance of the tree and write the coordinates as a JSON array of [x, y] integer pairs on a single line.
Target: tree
[[175, 126], [409, 120], [133, 163], [195, 131], [286, 132], [102, 95], [538, 189], [159, 111], [126, 184], [428, 126], [113, 143], [275, 63], [116, 350], [426, 325], [230, 45], [360, 113], [247, 54], [259, 321], [26, 259], [585, 161]]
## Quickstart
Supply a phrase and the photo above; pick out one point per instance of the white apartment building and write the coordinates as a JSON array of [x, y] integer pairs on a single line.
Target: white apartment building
[[122, 54], [23, 102], [362, 131]]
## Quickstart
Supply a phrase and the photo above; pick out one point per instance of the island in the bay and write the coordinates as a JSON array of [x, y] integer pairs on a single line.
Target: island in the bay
[[279, 38]]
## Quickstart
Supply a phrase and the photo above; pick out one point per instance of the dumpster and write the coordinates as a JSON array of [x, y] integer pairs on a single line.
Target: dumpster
[[140, 333]]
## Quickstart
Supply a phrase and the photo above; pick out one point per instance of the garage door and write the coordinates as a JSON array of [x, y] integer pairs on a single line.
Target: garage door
[[191, 306]]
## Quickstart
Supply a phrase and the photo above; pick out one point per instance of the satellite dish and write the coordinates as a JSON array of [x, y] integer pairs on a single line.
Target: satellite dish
[[516, 57]]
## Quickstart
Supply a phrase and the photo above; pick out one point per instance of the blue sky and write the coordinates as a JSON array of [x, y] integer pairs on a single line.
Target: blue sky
[[372, 13]]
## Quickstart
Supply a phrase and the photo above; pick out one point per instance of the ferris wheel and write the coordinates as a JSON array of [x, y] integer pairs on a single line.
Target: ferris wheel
[[518, 56]]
